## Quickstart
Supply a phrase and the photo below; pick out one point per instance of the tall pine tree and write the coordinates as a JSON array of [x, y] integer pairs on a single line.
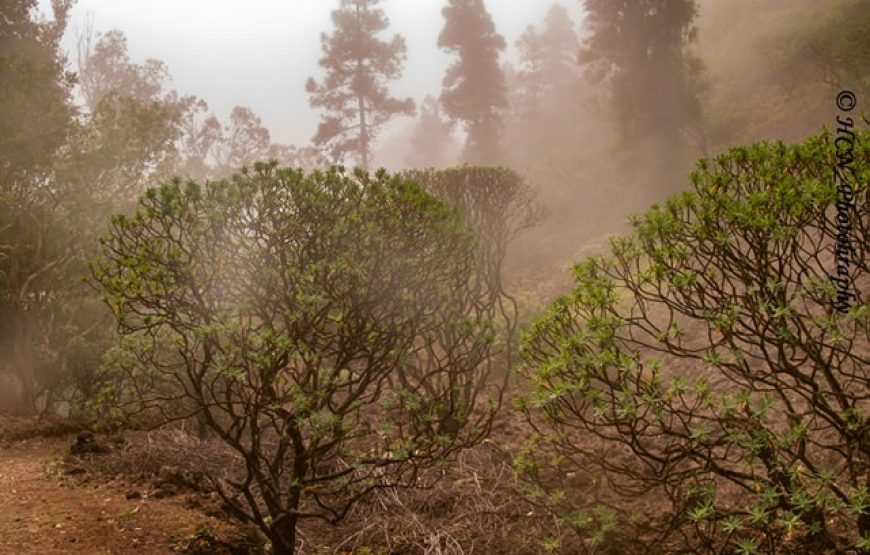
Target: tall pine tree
[[642, 48], [432, 143], [548, 71], [474, 86], [548, 119], [354, 96]]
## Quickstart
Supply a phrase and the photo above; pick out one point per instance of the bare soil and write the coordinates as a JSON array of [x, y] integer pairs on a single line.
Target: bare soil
[[44, 511]]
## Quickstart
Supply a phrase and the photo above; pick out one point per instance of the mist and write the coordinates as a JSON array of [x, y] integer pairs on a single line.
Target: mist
[[439, 276]]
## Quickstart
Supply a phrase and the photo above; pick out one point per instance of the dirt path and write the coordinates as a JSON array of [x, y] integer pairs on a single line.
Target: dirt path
[[42, 511]]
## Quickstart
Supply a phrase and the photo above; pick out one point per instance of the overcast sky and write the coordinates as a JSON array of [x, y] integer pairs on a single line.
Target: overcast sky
[[258, 53]]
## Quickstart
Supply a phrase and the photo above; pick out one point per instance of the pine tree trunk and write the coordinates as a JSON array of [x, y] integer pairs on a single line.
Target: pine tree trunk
[[361, 103], [363, 134]]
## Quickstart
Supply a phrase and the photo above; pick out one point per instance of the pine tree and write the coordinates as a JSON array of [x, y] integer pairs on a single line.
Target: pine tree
[[549, 114], [474, 86], [549, 61], [354, 96], [432, 142], [642, 47]]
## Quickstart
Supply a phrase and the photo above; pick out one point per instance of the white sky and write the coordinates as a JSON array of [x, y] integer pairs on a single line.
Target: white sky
[[258, 53]]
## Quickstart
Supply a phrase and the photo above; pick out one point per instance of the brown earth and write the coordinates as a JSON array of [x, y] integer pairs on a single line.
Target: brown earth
[[43, 511]]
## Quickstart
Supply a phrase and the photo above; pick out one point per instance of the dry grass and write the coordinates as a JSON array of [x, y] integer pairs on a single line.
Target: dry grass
[[17, 428], [470, 506], [142, 455]]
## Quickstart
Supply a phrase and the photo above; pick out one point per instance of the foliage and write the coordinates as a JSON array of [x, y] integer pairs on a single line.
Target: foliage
[[126, 103], [432, 142], [321, 324], [37, 119], [828, 47], [474, 86], [641, 47], [104, 68], [210, 149], [548, 99], [701, 372], [548, 62], [354, 95], [63, 172], [499, 206]]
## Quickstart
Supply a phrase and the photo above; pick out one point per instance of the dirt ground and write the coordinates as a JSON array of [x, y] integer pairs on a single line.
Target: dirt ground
[[42, 511]]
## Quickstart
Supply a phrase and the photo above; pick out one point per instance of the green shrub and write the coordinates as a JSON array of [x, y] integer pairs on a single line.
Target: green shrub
[[321, 325], [702, 374]]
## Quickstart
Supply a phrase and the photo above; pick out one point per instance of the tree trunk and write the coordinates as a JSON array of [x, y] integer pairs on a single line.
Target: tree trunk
[[283, 535], [361, 103], [24, 365], [203, 432], [363, 135]]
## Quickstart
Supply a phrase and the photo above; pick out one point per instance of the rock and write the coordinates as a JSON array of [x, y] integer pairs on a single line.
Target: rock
[[163, 491], [169, 474], [216, 510], [86, 443], [118, 442], [181, 479]]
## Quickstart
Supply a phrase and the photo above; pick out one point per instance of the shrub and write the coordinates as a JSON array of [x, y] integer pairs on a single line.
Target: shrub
[[321, 325], [707, 372], [498, 205]]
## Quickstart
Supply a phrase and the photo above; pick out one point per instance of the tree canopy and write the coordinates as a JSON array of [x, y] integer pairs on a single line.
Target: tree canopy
[[321, 324], [474, 86], [548, 60], [705, 362], [642, 48], [433, 140], [62, 172], [354, 95]]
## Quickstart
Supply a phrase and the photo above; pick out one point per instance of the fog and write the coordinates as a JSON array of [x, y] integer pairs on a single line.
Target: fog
[[555, 261], [601, 119], [261, 54]]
